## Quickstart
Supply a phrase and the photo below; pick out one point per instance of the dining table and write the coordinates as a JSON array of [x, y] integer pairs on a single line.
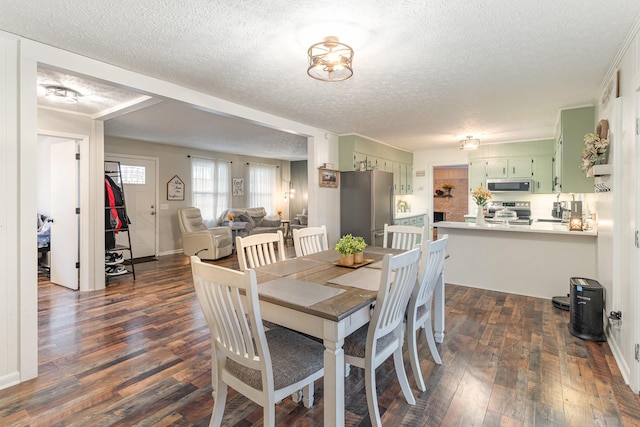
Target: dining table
[[317, 296]]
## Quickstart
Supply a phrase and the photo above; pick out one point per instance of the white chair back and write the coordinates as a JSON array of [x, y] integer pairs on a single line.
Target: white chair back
[[260, 249], [264, 366], [419, 311], [403, 236], [310, 240]]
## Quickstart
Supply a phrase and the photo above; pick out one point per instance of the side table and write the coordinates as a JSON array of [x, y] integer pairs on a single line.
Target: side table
[[287, 228], [235, 228]]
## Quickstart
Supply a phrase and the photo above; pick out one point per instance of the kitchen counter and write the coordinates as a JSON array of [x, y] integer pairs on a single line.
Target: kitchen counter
[[536, 227], [536, 260], [404, 215]]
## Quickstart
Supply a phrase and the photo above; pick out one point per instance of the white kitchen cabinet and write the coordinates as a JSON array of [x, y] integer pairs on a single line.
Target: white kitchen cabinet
[[409, 185]]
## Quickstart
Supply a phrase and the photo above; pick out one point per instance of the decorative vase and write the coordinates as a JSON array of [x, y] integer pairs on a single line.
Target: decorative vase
[[480, 215], [358, 258], [347, 260], [230, 223]]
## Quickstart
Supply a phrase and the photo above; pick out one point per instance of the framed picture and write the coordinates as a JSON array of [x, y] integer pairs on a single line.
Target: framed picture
[[175, 188], [238, 187], [329, 178]]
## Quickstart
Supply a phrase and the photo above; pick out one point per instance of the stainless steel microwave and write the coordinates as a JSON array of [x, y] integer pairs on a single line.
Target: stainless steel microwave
[[509, 185]]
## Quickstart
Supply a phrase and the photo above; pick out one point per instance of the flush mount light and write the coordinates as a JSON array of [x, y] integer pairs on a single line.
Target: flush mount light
[[62, 94], [470, 143], [330, 60]]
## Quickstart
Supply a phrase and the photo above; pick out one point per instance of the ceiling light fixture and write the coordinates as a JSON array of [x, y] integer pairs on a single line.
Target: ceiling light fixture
[[470, 143], [330, 60], [62, 94]]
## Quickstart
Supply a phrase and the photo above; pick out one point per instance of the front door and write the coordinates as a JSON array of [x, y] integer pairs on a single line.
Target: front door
[[139, 182]]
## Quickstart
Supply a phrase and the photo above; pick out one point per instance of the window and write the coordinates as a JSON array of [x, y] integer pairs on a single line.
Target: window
[[210, 184], [133, 174], [262, 186]]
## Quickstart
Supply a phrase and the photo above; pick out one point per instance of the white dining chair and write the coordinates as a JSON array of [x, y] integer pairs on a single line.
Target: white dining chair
[[310, 240], [264, 366], [372, 344], [419, 310], [403, 236], [260, 249]]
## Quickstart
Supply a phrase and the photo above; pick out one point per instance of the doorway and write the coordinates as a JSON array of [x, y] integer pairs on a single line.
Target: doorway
[[58, 203], [450, 194], [140, 194]]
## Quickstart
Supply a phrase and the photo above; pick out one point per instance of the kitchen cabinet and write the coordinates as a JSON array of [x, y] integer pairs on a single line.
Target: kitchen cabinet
[[409, 182], [415, 221], [477, 173], [542, 174], [517, 167], [573, 125]]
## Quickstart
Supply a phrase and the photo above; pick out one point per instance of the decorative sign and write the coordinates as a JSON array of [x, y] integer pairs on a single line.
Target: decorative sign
[[329, 178], [238, 186], [175, 188], [419, 173]]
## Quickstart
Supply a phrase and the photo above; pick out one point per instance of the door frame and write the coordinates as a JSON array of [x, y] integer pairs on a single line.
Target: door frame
[[156, 162], [85, 241]]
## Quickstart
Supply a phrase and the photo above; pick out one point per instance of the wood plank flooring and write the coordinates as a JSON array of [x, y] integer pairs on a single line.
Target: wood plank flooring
[[137, 354]]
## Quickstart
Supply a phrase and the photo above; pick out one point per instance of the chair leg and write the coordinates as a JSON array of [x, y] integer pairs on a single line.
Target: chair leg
[[296, 396], [269, 415], [413, 356], [428, 331], [218, 405], [372, 396], [402, 376], [307, 395]]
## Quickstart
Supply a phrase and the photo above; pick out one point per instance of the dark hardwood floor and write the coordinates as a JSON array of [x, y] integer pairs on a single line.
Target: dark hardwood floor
[[137, 353]]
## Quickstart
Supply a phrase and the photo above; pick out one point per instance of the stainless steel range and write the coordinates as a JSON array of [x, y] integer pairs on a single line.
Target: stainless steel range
[[516, 213]]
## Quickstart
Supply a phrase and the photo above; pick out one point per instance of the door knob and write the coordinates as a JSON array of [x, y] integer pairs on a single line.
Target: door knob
[[153, 206], [153, 213]]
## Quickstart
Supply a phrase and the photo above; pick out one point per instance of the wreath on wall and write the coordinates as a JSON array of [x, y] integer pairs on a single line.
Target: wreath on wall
[[596, 148]]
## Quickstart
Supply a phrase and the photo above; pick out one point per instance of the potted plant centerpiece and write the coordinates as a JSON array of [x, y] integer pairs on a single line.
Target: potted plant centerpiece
[[230, 219], [346, 247], [359, 246], [481, 197]]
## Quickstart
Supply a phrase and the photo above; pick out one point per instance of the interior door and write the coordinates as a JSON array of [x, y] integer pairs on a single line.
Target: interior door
[[64, 194], [139, 182]]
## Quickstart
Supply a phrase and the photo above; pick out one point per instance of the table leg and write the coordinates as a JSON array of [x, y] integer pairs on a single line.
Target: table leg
[[438, 309], [333, 381]]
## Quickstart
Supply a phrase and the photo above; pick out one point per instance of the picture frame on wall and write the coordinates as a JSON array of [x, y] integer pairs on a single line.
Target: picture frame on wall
[[329, 178], [175, 188], [238, 187]]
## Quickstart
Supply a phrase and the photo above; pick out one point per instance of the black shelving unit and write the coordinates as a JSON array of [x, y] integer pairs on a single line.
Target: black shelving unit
[[113, 170]]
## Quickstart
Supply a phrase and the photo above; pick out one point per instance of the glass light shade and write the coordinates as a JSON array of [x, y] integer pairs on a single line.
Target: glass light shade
[[330, 60], [469, 144], [62, 94]]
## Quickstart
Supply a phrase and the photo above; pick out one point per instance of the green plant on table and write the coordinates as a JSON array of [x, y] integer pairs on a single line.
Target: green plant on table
[[346, 245], [359, 244]]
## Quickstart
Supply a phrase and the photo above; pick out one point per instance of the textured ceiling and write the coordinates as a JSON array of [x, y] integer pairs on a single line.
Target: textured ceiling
[[425, 72]]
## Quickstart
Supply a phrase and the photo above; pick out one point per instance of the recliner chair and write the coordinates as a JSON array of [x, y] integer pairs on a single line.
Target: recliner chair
[[197, 239]]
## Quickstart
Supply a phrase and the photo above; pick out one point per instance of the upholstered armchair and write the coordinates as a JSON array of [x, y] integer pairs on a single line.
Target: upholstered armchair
[[197, 239]]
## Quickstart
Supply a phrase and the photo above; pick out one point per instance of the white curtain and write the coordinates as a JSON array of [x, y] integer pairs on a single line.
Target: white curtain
[[262, 187], [210, 187]]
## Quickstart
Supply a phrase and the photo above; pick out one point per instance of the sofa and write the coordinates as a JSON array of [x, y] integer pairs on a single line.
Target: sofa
[[256, 219]]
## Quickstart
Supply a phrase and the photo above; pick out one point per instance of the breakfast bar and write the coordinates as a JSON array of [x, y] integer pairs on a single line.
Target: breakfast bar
[[535, 260]]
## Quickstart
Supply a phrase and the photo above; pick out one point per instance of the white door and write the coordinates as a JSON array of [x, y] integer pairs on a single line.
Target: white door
[[63, 189], [139, 179]]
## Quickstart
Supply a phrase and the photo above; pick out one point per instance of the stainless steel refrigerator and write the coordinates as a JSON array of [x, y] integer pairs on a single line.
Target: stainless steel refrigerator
[[366, 204]]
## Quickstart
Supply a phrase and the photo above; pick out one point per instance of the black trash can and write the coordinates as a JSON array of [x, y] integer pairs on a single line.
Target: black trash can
[[586, 300]]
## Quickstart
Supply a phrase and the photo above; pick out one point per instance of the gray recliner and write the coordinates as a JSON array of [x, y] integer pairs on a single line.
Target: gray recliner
[[197, 239]]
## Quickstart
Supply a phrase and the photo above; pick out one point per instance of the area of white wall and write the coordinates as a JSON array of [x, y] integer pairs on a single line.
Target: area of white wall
[[324, 203], [617, 260]]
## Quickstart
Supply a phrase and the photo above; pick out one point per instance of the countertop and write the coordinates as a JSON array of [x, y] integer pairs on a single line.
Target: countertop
[[402, 215], [536, 227]]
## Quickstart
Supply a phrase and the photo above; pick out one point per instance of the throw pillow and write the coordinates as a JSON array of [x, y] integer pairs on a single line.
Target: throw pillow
[[250, 223], [257, 220]]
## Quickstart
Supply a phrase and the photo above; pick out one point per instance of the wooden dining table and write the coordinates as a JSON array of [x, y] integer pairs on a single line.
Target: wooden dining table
[[316, 296]]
